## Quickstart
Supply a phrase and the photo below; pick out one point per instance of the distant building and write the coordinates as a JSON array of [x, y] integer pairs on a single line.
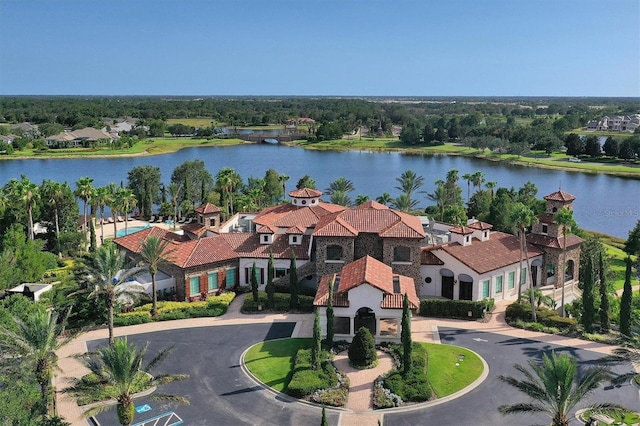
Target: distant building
[[617, 123]]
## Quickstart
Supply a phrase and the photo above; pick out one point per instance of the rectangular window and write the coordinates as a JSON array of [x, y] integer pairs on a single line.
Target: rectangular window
[[342, 325], [231, 278], [402, 254], [499, 284], [281, 272], [545, 228], [334, 253], [511, 280], [523, 276], [194, 286], [213, 281], [389, 327], [486, 288]]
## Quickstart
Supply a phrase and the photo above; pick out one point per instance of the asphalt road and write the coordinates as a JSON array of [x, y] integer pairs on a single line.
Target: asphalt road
[[219, 392], [480, 406]]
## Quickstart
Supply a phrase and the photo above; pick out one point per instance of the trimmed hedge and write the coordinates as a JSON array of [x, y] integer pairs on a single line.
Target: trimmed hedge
[[445, 308], [214, 306], [280, 300], [306, 380], [285, 289], [415, 385], [547, 317]]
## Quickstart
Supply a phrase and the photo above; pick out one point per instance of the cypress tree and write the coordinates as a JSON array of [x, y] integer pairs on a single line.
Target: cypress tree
[[330, 316], [254, 282], [325, 422], [406, 334], [317, 342], [293, 282], [604, 297], [270, 287], [588, 309], [93, 246], [625, 301]]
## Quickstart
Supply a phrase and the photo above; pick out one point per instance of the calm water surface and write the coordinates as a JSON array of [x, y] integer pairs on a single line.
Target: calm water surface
[[604, 203]]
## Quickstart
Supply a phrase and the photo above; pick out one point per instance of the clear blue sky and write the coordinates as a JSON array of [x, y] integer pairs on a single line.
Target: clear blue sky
[[321, 47]]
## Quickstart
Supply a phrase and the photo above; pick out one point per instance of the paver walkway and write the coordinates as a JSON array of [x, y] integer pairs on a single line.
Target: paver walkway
[[423, 330]]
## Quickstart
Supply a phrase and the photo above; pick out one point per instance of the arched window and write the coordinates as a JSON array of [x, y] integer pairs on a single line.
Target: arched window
[[402, 254], [334, 252], [568, 272]]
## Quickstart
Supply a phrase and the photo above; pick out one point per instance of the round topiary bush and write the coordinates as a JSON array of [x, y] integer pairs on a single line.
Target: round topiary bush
[[362, 351]]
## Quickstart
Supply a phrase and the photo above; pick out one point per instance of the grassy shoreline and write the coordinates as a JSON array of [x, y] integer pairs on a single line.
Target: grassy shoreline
[[160, 146]]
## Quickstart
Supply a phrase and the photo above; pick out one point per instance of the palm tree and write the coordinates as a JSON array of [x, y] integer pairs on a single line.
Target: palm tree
[[361, 199], [555, 388], [340, 198], [341, 184], [385, 198], [53, 193], [152, 254], [34, 344], [523, 217], [477, 179], [439, 196], [112, 203], [490, 186], [468, 177], [564, 218], [84, 191], [174, 192], [404, 203], [409, 182], [108, 277], [27, 193], [628, 353], [101, 198], [126, 201], [283, 180], [227, 180], [119, 368]]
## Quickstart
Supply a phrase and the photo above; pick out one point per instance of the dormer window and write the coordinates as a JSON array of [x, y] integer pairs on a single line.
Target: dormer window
[[467, 239], [295, 239], [266, 239], [545, 228], [486, 234]]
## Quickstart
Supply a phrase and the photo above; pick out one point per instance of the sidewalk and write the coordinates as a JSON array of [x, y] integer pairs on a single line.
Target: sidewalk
[[361, 381]]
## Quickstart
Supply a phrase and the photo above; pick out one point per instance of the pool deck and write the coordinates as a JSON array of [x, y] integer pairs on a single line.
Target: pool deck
[[108, 227]]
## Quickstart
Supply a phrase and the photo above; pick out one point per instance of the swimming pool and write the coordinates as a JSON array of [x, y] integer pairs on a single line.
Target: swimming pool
[[131, 230]]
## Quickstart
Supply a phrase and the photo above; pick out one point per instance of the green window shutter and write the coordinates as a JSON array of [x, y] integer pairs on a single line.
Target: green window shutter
[[511, 280], [523, 276], [231, 278], [194, 286], [486, 288], [499, 284], [213, 281]]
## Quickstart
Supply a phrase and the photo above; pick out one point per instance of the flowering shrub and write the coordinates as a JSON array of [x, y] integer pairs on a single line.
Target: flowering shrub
[[382, 397]]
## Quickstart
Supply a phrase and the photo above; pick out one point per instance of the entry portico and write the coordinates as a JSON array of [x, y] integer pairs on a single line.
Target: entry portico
[[366, 293]]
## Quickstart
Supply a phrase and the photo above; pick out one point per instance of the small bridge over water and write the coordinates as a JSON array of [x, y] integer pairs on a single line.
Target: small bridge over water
[[260, 137]]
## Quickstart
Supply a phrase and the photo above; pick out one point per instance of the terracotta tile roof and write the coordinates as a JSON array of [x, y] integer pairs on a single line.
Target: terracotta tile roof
[[194, 228], [376, 218], [207, 208], [463, 230], [367, 270], [133, 241], [305, 193], [295, 230], [481, 226], [552, 242], [428, 258], [248, 245], [371, 205], [560, 195], [288, 215], [266, 229], [484, 256]]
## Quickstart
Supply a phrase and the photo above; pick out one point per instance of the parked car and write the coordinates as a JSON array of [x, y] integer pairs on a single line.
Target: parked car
[[575, 160]]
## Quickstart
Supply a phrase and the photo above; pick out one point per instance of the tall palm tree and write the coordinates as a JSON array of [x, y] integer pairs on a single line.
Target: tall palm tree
[[126, 201], [522, 218], [385, 198], [404, 203], [108, 276], [84, 191], [361, 199], [340, 198], [477, 179], [34, 343], [409, 182], [341, 184], [228, 180], [627, 353], [283, 180], [112, 204], [101, 199], [153, 252], [564, 218], [174, 190], [53, 193], [119, 368], [439, 196], [27, 193], [491, 186], [555, 388], [468, 177]]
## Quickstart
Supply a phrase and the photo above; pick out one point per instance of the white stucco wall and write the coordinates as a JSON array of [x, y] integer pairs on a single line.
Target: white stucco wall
[[264, 263]]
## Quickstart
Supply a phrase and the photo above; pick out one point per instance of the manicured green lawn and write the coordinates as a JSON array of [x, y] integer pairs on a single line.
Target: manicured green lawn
[[447, 378], [272, 361]]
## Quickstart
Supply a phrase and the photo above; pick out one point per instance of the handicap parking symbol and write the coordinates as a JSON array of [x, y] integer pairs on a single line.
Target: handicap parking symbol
[[143, 408]]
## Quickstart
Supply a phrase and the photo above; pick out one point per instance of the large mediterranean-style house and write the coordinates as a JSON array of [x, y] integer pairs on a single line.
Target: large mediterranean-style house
[[469, 262], [617, 123]]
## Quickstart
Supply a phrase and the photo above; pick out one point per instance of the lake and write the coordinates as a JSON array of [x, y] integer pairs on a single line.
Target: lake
[[604, 203]]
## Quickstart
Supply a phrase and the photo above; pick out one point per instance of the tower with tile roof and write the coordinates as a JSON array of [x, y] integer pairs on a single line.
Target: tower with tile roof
[[547, 234]]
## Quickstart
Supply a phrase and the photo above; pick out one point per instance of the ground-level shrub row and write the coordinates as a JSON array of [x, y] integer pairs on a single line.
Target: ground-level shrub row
[[214, 306], [281, 303], [466, 309], [546, 317], [305, 380], [413, 386]]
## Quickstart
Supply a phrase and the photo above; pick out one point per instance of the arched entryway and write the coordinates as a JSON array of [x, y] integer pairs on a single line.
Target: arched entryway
[[365, 317], [568, 271], [535, 267], [447, 283], [466, 287]]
